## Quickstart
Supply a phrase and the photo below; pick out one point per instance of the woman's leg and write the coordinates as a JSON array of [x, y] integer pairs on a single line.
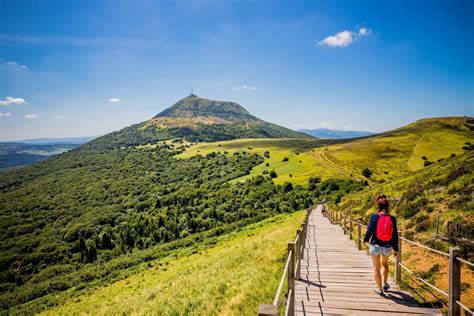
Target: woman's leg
[[376, 263], [385, 269]]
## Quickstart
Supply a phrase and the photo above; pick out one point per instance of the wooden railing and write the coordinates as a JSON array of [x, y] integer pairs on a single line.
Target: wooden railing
[[291, 272], [454, 291]]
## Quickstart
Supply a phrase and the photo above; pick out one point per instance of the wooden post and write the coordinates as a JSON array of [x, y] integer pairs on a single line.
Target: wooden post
[[298, 253], [454, 282], [305, 228], [398, 260], [350, 224], [447, 229], [340, 218], [437, 227], [344, 225], [359, 242], [291, 276], [267, 310]]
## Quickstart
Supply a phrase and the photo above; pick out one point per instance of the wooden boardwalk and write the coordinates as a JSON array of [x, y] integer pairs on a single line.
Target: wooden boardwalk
[[336, 278]]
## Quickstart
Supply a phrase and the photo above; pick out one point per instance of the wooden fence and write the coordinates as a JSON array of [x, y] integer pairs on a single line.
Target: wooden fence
[[291, 272]]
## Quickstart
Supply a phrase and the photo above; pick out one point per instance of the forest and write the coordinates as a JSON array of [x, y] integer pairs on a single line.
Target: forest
[[62, 220]]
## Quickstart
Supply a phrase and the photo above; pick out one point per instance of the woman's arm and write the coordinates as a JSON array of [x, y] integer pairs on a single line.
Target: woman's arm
[[370, 228], [395, 235]]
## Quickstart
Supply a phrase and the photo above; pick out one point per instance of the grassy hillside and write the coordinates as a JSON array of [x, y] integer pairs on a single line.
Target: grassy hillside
[[232, 277], [298, 168], [388, 155], [399, 152]]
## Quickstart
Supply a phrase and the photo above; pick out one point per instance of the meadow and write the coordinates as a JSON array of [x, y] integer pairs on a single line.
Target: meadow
[[389, 155], [232, 277]]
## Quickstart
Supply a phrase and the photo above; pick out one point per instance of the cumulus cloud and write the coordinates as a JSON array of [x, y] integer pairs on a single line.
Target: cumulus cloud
[[345, 38], [15, 64], [58, 117], [114, 100], [11, 65], [11, 100], [245, 87], [6, 114], [31, 116]]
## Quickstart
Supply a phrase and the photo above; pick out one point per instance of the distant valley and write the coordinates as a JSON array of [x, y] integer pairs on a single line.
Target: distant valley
[[17, 154]]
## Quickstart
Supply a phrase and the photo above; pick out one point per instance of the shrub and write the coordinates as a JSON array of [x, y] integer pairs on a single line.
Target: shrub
[[366, 172], [287, 187], [427, 163], [285, 159]]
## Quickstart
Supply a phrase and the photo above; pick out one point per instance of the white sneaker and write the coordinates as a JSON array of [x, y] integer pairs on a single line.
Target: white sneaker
[[378, 291]]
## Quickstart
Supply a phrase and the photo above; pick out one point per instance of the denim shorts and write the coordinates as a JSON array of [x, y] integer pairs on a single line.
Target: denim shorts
[[375, 250]]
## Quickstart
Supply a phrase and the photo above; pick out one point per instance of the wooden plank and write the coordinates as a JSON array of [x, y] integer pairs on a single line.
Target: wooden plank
[[391, 308], [336, 311]]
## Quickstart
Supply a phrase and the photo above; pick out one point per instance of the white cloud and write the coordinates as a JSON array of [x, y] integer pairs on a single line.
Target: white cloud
[[363, 31], [59, 117], [11, 100], [244, 87], [341, 39], [14, 64], [114, 100], [7, 114], [31, 116], [345, 38], [249, 88]]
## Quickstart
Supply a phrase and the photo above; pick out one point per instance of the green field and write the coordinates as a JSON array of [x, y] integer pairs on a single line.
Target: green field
[[239, 272], [388, 155], [298, 168]]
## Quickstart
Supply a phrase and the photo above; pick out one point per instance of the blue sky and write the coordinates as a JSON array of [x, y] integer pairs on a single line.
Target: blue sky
[[361, 65]]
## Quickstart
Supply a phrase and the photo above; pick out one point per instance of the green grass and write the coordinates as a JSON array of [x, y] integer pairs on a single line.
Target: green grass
[[389, 155], [295, 150], [232, 278]]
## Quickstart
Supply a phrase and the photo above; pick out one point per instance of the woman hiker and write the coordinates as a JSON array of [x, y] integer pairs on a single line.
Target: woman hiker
[[382, 233]]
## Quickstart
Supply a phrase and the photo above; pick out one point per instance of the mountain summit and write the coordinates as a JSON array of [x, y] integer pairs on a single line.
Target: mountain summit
[[194, 107], [198, 120]]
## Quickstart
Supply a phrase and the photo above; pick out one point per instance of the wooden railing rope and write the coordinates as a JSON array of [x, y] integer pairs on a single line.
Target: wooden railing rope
[[291, 272], [454, 255]]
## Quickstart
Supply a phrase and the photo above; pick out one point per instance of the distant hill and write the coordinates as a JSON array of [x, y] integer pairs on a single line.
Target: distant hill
[[196, 119], [52, 141], [335, 133]]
